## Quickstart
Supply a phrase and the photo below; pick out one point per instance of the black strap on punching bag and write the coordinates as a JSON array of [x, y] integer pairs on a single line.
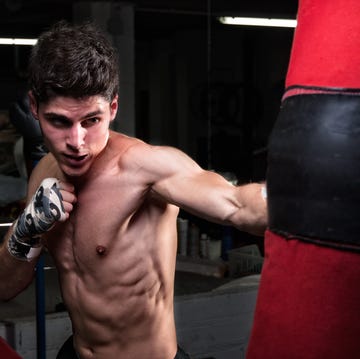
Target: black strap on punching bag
[[313, 178]]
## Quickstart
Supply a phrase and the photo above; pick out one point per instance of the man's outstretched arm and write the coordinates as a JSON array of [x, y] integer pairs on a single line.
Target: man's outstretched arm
[[181, 181]]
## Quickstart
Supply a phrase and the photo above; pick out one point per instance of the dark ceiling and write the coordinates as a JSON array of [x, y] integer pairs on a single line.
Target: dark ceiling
[[27, 18]]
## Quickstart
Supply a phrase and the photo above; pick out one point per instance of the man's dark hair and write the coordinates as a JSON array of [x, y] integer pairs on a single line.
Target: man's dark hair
[[73, 61]]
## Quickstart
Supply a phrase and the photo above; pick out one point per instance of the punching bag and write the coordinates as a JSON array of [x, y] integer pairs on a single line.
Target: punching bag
[[6, 351], [308, 300]]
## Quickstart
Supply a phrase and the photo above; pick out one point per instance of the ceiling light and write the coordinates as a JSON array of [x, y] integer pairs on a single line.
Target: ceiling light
[[257, 21], [13, 41], [6, 224]]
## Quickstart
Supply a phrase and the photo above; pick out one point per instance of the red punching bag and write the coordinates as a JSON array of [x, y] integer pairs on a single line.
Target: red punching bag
[[6, 352], [308, 299], [325, 51]]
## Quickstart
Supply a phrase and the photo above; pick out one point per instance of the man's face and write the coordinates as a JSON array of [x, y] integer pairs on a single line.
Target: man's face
[[75, 130]]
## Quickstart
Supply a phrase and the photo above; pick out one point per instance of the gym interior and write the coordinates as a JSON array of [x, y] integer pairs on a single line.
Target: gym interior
[[210, 89]]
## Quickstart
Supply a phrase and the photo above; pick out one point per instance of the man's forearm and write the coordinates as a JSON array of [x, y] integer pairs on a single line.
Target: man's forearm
[[23, 245], [251, 215], [15, 275]]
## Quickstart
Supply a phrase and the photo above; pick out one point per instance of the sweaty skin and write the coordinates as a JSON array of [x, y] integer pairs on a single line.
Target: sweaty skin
[[116, 251]]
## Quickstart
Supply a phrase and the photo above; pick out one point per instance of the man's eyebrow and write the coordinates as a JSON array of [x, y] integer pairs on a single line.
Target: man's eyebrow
[[93, 113], [54, 115]]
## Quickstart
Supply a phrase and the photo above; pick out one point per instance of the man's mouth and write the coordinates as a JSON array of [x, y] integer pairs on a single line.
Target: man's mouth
[[75, 159]]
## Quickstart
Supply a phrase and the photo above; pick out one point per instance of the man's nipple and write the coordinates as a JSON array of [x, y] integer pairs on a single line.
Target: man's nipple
[[100, 250]]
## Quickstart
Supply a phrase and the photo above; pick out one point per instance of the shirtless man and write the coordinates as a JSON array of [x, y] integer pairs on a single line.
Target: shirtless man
[[105, 206]]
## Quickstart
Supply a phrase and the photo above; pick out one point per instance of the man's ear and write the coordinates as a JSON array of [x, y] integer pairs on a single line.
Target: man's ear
[[113, 107], [33, 105]]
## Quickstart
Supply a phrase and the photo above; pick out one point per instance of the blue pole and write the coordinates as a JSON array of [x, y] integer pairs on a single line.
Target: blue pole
[[40, 309]]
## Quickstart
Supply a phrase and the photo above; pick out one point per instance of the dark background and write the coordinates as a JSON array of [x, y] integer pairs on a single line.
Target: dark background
[[211, 90], [235, 74]]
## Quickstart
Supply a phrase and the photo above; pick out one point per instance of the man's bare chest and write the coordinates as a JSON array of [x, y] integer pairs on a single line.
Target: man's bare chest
[[101, 216], [107, 197]]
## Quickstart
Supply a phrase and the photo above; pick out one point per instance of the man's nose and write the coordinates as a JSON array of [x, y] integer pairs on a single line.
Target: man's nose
[[76, 137]]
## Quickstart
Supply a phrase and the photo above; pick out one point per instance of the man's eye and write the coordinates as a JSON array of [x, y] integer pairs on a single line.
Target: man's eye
[[58, 122], [91, 121]]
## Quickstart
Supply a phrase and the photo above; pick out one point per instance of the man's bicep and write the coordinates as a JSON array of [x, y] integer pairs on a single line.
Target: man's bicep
[[175, 176], [200, 192]]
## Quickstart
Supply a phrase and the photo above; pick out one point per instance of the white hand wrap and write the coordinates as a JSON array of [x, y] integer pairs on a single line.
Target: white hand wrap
[[44, 209], [264, 193]]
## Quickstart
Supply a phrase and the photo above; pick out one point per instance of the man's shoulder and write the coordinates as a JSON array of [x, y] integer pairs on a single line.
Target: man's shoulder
[[134, 154], [120, 141], [127, 147]]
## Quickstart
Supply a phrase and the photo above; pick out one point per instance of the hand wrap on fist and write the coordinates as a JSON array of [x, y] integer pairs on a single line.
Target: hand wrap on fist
[[43, 211]]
